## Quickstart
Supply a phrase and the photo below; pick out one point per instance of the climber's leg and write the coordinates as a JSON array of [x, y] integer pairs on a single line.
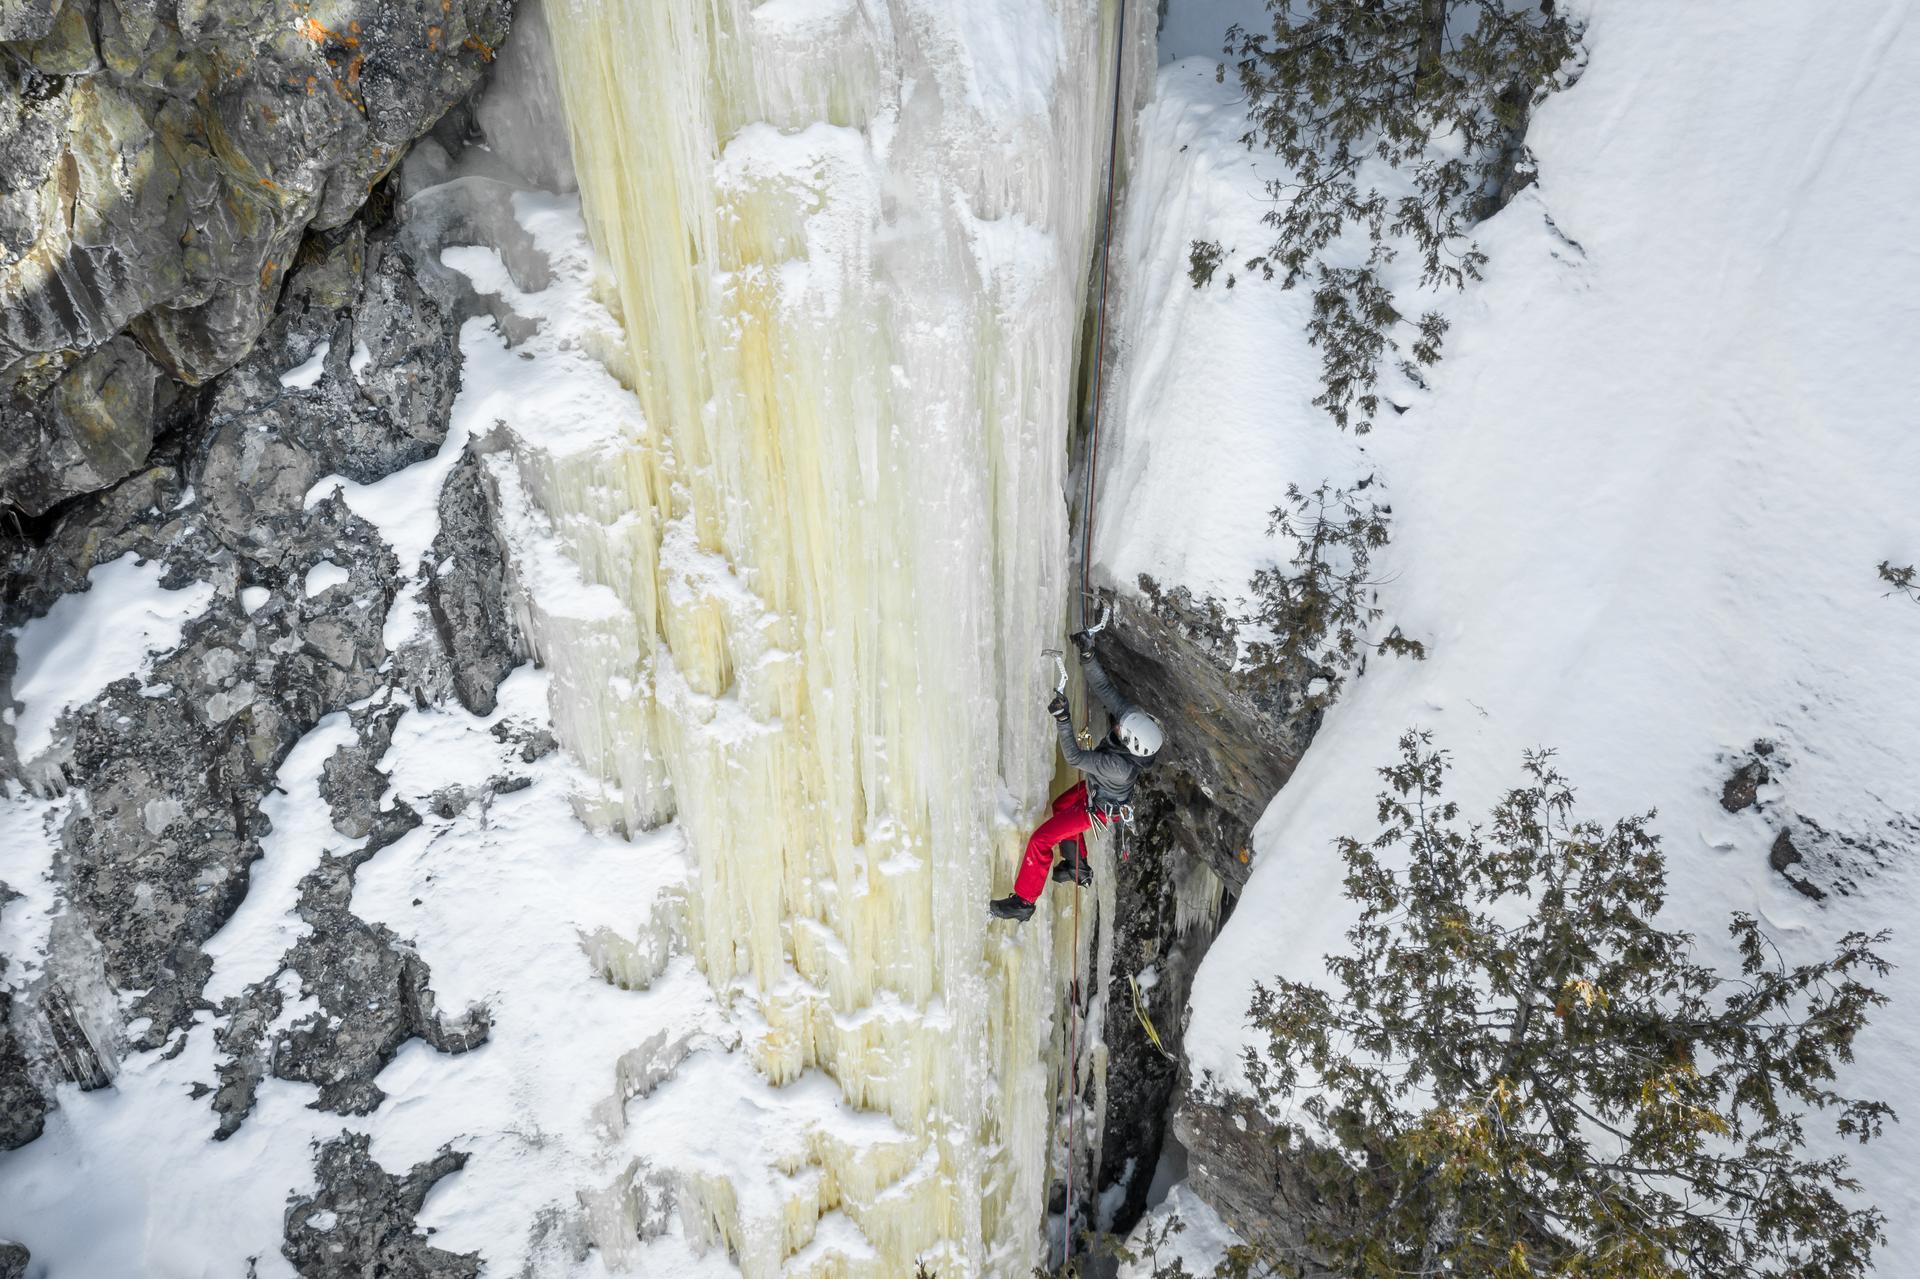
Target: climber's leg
[[1069, 818]]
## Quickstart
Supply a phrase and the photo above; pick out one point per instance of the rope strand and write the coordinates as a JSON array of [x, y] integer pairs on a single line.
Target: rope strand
[[1100, 314], [1086, 573]]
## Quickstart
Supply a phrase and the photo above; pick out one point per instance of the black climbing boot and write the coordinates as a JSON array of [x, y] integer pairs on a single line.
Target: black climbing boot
[[1011, 907], [1072, 868]]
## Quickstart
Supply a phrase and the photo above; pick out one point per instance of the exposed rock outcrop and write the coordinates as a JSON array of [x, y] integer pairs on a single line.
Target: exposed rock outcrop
[[1234, 735], [360, 1221], [158, 172], [1816, 861], [1235, 1164], [1166, 912], [22, 1109], [371, 994], [470, 611], [354, 376], [1233, 738]]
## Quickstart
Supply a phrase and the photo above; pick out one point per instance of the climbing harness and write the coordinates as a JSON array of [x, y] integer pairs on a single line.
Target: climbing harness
[[1086, 571]]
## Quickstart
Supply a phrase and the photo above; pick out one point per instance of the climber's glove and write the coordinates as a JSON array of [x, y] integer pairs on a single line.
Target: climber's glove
[[1059, 709], [1083, 642]]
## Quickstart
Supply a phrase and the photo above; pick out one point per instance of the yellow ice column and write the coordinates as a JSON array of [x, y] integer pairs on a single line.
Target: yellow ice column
[[848, 239]]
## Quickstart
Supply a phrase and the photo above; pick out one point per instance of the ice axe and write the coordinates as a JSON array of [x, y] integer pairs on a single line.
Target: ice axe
[[1059, 656]]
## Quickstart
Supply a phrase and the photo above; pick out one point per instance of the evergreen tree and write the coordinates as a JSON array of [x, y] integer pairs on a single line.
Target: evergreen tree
[[1439, 90], [1521, 1074], [1319, 608]]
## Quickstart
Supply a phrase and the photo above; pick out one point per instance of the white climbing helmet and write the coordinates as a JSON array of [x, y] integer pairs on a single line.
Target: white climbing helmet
[[1140, 733]]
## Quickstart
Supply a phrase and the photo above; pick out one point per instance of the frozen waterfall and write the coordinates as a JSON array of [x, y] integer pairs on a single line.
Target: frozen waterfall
[[848, 243]]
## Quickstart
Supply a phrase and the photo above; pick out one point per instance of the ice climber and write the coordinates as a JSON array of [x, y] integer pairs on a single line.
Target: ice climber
[[1104, 793]]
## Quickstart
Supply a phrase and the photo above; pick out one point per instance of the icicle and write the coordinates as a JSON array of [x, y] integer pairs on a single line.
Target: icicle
[[1197, 893], [808, 578]]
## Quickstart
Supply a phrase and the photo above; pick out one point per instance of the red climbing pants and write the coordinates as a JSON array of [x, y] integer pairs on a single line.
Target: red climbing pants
[[1070, 818]]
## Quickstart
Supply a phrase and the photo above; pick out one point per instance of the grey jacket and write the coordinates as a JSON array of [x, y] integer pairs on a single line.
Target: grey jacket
[[1109, 767]]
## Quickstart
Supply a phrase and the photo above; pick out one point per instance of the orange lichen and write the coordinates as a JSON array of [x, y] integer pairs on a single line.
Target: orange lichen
[[480, 47], [316, 31]]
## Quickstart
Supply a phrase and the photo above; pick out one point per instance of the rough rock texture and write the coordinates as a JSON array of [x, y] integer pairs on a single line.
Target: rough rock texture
[[371, 991], [1233, 736], [360, 1221], [22, 1109], [1783, 856], [1816, 861], [351, 781], [166, 778], [470, 612], [159, 167], [13, 1260], [1234, 1164], [242, 689], [1750, 773], [1160, 952]]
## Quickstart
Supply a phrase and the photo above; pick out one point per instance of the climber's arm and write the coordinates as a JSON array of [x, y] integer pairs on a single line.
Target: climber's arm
[[1102, 687]]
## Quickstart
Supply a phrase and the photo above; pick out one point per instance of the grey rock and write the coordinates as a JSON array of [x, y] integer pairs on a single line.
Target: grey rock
[[1750, 773], [159, 168], [13, 1260], [23, 1109], [467, 592], [361, 1220], [1821, 861], [80, 423], [1233, 738], [521, 114], [209, 733], [26, 19], [373, 993], [225, 503], [1143, 1077], [1817, 862], [350, 780], [389, 369], [536, 743], [1235, 1163], [1783, 856]]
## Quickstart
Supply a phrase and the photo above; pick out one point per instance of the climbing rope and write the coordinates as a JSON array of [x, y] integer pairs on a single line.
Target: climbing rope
[[1086, 573]]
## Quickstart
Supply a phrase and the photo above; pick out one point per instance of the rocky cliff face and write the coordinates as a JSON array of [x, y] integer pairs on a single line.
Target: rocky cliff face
[[1235, 734], [160, 165], [210, 302], [1234, 737]]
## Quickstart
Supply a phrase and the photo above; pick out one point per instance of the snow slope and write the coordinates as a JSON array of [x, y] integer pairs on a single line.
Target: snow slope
[[1638, 515], [87, 641]]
